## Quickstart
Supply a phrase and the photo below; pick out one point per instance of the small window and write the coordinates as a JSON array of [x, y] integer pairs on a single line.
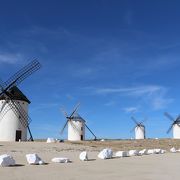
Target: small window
[[81, 128]]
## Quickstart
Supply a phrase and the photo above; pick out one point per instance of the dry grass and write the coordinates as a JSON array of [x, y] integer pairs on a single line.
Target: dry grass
[[131, 144]]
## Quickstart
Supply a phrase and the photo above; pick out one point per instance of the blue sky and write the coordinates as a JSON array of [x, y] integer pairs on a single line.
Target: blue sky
[[116, 58]]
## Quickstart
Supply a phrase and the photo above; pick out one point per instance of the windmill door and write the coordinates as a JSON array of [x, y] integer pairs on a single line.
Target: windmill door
[[81, 137], [18, 135]]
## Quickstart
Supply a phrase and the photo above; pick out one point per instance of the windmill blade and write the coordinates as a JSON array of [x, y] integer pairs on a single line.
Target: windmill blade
[[136, 122], [169, 116], [22, 74], [19, 111], [178, 118], [75, 109], [170, 128], [30, 134], [2, 85], [140, 126], [4, 109], [145, 119], [64, 112], [91, 131], [133, 129], [62, 130]]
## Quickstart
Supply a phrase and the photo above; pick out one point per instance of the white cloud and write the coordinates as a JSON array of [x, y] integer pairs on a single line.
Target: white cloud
[[131, 109], [43, 106], [136, 91], [160, 102], [153, 96], [10, 58], [110, 103]]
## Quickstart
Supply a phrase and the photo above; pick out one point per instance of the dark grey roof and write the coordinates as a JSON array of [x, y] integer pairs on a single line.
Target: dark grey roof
[[16, 95], [77, 117]]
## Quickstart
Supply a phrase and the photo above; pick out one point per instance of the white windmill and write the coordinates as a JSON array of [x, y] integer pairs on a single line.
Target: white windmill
[[139, 129], [175, 126], [14, 119], [76, 126]]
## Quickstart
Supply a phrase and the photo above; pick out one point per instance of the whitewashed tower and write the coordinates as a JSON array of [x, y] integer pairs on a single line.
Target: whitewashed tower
[[14, 119], [175, 126], [76, 126], [139, 129], [140, 132], [11, 128]]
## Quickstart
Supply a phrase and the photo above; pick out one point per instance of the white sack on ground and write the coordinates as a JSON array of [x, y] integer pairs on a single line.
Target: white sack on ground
[[83, 156], [7, 160], [122, 154], [60, 160], [105, 154], [34, 159], [51, 140]]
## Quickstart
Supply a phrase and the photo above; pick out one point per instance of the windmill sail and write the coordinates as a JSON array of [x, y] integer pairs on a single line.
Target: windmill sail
[[7, 95]]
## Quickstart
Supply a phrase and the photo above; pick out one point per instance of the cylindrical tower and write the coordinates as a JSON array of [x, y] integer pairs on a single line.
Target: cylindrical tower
[[176, 130], [140, 132], [76, 128], [11, 128]]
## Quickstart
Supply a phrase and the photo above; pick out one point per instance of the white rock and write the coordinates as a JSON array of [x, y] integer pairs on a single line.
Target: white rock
[[51, 140], [83, 156], [60, 160], [7, 160], [122, 154], [105, 154], [34, 159], [142, 152], [163, 151], [133, 152], [157, 151], [150, 151], [102, 140], [173, 150]]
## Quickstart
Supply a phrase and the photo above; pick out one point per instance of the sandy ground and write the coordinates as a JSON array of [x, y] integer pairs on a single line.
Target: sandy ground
[[154, 167]]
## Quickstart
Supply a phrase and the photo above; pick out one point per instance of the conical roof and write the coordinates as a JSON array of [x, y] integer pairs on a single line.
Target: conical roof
[[16, 95], [77, 117]]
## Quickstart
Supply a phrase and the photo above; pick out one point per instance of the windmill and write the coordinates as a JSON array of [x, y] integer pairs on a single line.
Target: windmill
[[139, 129], [14, 119], [175, 126], [76, 126]]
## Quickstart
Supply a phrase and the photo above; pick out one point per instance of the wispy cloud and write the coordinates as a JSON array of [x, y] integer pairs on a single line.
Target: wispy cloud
[[131, 109], [110, 103], [135, 91], [128, 17], [43, 106], [10, 58], [152, 95], [161, 102]]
